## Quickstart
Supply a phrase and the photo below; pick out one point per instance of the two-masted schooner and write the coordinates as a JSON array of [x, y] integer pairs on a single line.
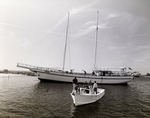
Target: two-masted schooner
[[101, 76]]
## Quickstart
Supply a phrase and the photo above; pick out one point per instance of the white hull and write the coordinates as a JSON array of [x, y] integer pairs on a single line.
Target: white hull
[[66, 77], [83, 98]]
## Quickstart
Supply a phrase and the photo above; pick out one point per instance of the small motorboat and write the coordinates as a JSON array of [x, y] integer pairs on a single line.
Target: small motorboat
[[86, 96]]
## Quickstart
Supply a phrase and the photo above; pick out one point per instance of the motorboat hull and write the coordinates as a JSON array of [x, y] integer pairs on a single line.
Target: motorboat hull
[[84, 98]]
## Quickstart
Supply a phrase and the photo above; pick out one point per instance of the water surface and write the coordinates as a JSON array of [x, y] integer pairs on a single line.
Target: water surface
[[26, 97]]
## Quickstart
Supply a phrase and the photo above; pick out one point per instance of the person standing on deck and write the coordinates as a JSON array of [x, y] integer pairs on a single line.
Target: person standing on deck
[[75, 86], [95, 86], [75, 81]]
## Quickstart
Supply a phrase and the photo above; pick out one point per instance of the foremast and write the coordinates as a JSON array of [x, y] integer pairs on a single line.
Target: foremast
[[65, 48], [96, 37]]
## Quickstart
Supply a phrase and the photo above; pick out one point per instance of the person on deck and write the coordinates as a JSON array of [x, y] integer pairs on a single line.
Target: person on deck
[[75, 81], [95, 86], [84, 72], [93, 73], [76, 88]]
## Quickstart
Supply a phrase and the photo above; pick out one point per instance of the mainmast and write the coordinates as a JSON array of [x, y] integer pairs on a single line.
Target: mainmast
[[66, 43], [95, 61]]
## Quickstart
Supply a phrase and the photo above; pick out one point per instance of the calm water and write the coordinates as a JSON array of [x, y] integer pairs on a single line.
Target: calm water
[[27, 97]]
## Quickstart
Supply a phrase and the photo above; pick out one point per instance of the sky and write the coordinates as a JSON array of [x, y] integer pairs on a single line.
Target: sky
[[34, 32]]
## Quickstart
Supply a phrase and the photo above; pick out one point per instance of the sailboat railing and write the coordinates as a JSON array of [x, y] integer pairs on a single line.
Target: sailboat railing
[[112, 71]]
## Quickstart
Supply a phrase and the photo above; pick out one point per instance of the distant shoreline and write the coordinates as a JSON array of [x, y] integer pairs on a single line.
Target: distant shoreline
[[6, 71]]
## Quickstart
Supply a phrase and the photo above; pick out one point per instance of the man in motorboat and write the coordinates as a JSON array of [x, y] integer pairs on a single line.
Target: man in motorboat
[[76, 88], [90, 84], [75, 80], [86, 86], [95, 86]]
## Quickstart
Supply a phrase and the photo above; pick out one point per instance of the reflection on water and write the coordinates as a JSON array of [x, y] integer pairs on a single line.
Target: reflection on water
[[27, 97]]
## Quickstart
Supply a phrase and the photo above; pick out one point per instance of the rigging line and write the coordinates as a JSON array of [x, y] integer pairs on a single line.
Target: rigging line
[[104, 42], [122, 59], [81, 49], [114, 42], [80, 20], [35, 47], [123, 62], [99, 61], [48, 52], [81, 37], [51, 47], [39, 42]]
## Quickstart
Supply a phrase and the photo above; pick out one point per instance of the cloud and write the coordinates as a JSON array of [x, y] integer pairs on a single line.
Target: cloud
[[88, 23], [90, 26], [103, 26], [24, 42], [113, 15], [12, 25], [87, 30], [79, 9], [143, 47], [76, 10]]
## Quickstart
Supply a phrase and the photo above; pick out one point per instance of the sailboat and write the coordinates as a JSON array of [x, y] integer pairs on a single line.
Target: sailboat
[[101, 76]]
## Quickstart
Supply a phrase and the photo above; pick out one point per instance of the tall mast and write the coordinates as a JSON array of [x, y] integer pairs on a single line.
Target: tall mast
[[66, 43], [96, 40]]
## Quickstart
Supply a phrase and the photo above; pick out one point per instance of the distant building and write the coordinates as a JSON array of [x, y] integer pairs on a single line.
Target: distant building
[[5, 70]]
